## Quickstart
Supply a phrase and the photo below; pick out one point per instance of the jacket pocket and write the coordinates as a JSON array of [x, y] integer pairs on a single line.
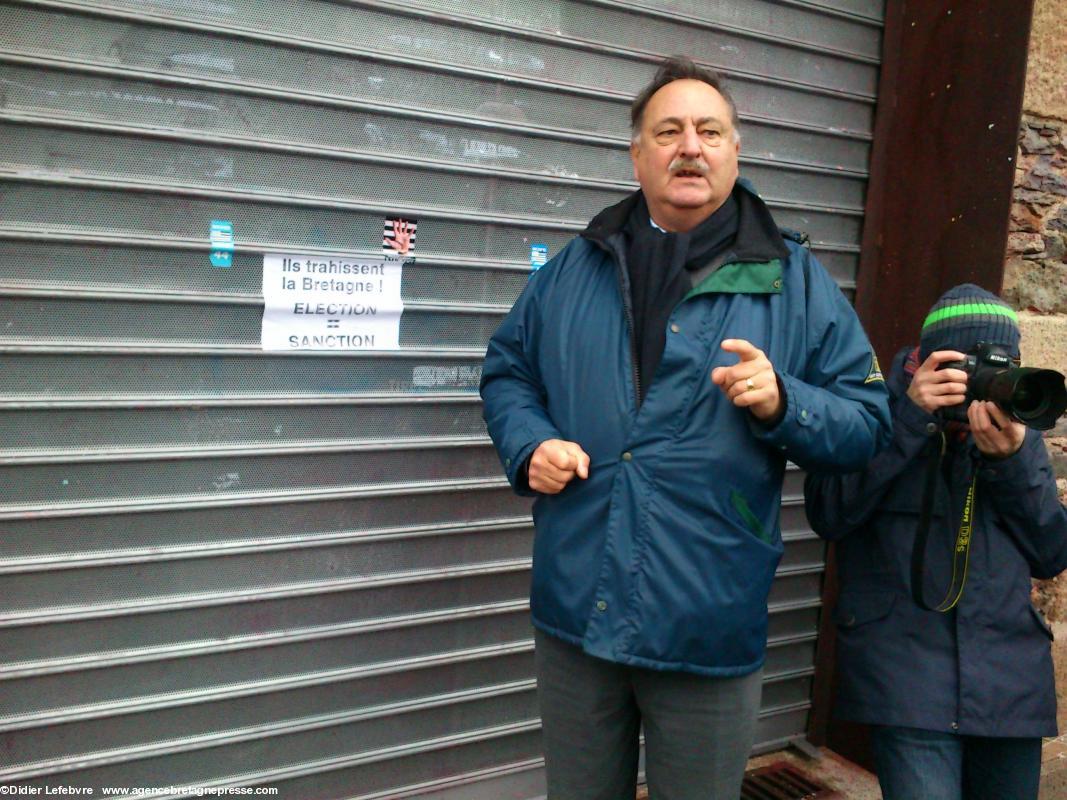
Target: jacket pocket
[[906, 493], [862, 608], [906, 497], [1039, 618], [751, 521]]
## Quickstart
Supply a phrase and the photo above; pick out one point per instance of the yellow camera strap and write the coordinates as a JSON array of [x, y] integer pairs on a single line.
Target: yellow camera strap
[[961, 550]]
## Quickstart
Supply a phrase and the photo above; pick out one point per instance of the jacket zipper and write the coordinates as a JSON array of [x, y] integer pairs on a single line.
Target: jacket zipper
[[624, 288], [627, 304], [619, 258]]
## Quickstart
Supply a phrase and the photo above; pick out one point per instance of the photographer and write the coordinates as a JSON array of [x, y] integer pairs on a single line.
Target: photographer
[[959, 689]]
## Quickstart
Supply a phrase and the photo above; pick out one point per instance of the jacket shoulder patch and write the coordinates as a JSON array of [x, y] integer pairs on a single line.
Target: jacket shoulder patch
[[875, 373]]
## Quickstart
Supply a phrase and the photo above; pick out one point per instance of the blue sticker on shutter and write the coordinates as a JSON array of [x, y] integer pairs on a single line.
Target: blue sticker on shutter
[[538, 256], [221, 243]]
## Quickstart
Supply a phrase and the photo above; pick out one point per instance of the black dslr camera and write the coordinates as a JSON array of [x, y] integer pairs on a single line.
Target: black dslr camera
[[1034, 397]]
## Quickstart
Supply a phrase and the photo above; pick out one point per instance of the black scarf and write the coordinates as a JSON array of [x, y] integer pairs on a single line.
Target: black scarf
[[660, 266]]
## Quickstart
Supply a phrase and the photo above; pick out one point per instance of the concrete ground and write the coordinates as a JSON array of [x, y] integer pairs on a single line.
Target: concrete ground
[[852, 782], [855, 783], [1054, 769]]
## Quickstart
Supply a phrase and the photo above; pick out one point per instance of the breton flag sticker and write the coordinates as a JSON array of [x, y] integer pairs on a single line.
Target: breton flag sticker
[[398, 237]]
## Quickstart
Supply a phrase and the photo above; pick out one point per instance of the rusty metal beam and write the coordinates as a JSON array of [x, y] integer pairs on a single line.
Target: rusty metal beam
[[943, 159]]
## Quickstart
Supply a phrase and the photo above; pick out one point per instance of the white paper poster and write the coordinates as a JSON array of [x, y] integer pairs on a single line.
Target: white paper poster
[[331, 303]]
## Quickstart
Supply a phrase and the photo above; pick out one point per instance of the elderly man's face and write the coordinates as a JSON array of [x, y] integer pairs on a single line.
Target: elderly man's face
[[686, 156]]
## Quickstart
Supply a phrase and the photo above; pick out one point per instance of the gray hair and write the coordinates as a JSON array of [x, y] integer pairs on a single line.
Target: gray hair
[[677, 68]]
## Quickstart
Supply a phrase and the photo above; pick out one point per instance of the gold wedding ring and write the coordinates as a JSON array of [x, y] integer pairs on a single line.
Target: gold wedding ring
[[749, 385]]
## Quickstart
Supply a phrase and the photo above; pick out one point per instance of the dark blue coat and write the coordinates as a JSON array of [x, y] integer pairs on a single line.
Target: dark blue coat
[[664, 556], [985, 668]]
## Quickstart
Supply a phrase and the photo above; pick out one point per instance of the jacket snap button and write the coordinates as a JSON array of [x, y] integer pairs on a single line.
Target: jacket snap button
[[507, 462], [675, 328], [851, 620], [955, 726], [627, 456], [931, 427], [601, 605]]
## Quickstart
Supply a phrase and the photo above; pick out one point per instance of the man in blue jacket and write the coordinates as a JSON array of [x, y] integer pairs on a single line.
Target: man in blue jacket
[[960, 693], [647, 388]]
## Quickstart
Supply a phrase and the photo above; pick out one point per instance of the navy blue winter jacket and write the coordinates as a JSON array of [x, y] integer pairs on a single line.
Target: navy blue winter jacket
[[664, 556], [985, 668]]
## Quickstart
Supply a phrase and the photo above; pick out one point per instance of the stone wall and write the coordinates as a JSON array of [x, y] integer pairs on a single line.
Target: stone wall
[[1046, 66], [1035, 281], [1035, 275], [1035, 272]]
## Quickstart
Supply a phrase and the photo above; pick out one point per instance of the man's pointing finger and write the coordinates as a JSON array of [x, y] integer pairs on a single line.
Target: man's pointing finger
[[745, 349]]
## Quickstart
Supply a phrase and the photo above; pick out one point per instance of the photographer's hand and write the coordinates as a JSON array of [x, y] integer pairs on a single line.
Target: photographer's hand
[[933, 388], [996, 435]]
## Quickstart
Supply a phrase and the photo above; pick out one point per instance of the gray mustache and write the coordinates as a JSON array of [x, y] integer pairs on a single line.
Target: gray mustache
[[687, 165]]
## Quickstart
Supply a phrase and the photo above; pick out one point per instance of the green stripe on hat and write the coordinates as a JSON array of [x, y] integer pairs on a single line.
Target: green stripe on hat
[[969, 309]]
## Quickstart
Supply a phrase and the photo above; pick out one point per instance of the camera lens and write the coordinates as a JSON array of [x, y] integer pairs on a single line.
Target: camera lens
[[1028, 399], [1037, 397]]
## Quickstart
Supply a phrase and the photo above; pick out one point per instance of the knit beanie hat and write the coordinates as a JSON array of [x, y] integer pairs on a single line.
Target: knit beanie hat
[[966, 315]]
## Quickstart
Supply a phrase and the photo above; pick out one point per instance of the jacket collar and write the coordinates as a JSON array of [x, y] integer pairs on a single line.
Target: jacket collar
[[758, 237]]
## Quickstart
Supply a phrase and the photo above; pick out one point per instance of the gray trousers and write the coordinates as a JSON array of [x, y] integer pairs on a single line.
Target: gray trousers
[[698, 730]]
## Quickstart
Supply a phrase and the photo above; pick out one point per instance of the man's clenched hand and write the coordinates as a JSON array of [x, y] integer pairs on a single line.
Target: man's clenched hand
[[554, 464]]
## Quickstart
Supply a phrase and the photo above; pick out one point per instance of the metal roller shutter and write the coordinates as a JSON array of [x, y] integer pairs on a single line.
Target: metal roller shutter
[[220, 566]]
